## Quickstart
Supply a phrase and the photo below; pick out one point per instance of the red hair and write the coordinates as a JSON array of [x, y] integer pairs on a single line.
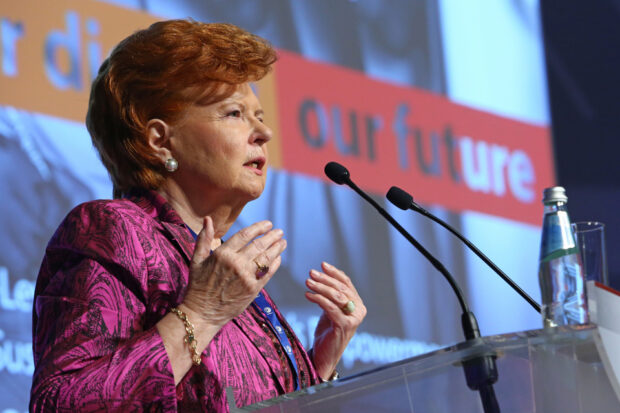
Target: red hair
[[156, 73]]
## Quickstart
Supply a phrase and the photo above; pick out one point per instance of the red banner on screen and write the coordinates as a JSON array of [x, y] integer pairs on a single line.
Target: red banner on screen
[[441, 152]]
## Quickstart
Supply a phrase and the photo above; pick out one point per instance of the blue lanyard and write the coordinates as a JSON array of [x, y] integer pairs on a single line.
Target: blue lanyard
[[263, 306]]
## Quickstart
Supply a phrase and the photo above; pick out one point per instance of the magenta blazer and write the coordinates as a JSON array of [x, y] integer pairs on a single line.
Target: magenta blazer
[[111, 271]]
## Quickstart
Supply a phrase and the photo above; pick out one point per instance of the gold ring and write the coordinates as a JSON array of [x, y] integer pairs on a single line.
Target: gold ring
[[261, 270], [348, 308]]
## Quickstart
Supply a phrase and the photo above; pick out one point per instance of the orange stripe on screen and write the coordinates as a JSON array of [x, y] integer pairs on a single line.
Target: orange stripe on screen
[[442, 152]]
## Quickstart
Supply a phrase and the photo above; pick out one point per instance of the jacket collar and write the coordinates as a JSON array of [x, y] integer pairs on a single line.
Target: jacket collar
[[172, 226]]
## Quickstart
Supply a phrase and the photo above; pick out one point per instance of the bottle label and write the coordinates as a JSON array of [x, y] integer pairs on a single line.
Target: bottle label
[[558, 239], [563, 291]]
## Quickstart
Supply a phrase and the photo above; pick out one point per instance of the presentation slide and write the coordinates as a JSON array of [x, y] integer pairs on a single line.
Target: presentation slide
[[446, 99]]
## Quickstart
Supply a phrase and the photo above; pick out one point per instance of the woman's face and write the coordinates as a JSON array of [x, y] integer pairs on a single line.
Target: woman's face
[[221, 148]]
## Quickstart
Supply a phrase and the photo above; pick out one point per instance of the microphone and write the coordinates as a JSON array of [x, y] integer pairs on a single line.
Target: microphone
[[337, 173], [404, 200], [481, 371], [340, 175]]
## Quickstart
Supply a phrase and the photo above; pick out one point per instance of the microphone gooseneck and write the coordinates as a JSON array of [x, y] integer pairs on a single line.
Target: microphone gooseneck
[[340, 175], [404, 200], [480, 371]]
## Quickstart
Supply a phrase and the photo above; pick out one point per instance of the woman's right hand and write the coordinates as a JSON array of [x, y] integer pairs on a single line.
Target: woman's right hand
[[224, 282]]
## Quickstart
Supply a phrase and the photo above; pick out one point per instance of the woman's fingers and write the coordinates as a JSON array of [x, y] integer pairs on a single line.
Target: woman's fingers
[[260, 245], [327, 304], [338, 275], [224, 282], [203, 242], [273, 267], [267, 247], [244, 236], [335, 283], [332, 289]]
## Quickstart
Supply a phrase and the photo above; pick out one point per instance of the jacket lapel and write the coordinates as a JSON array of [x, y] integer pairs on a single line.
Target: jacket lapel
[[250, 328], [172, 226], [180, 237]]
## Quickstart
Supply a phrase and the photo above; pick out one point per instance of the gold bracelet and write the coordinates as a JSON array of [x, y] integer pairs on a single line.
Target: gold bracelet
[[189, 337]]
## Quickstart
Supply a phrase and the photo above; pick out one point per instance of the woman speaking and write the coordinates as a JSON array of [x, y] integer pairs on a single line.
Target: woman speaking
[[140, 305]]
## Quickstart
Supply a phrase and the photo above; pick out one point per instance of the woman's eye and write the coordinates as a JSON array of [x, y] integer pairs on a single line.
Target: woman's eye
[[234, 113]]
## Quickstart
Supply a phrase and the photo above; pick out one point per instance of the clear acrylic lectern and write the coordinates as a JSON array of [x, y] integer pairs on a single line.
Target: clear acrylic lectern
[[544, 371]]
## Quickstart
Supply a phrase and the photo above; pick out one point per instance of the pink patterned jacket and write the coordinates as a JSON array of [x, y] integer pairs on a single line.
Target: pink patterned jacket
[[111, 271]]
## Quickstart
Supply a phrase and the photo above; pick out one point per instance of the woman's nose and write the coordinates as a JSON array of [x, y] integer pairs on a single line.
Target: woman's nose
[[262, 133]]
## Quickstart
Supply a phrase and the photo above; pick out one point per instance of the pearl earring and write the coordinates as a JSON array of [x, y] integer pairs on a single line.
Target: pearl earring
[[171, 164]]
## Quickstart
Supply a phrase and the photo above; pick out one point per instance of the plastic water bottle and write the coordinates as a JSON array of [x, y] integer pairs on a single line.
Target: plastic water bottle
[[560, 272]]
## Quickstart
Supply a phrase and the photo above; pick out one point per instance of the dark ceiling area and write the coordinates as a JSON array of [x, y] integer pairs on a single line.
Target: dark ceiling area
[[582, 47]]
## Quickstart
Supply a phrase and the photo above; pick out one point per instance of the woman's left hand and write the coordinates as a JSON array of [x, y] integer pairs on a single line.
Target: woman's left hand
[[332, 290]]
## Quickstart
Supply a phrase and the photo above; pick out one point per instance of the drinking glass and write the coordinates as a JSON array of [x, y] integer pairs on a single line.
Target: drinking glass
[[590, 238]]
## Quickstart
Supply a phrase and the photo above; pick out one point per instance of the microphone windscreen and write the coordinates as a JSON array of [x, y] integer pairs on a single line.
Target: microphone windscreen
[[337, 173], [399, 198]]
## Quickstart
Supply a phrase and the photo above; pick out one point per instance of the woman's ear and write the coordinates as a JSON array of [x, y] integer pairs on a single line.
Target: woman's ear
[[158, 137]]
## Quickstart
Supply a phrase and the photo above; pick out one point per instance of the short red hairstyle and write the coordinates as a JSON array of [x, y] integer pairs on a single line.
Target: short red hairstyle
[[156, 73]]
